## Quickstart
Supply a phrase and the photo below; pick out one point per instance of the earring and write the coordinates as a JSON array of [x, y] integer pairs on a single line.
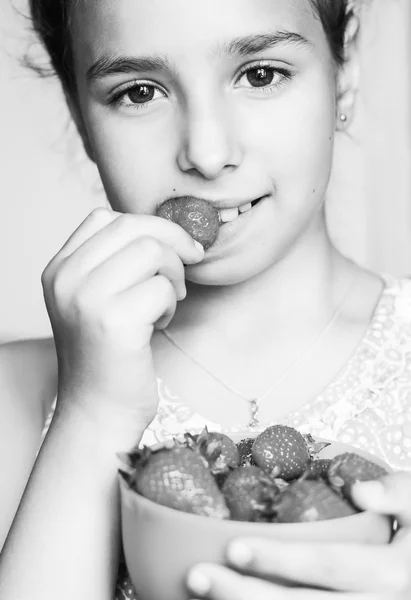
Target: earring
[[343, 118]]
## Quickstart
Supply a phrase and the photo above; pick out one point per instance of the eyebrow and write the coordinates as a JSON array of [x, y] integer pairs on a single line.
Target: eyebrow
[[245, 46], [253, 44], [115, 65]]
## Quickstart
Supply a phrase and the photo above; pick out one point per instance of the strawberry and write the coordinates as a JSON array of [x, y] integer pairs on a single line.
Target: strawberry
[[345, 469], [282, 452], [218, 449], [317, 469], [176, 476], [198, 217], [245, 450], [310, 500], [313, 446], [250, 494]]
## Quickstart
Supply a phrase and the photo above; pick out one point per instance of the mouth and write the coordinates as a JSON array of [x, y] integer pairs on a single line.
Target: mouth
[[231, 214]]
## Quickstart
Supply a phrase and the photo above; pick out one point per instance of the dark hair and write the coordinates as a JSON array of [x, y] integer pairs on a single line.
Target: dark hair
[[52, 23], [334, 16]]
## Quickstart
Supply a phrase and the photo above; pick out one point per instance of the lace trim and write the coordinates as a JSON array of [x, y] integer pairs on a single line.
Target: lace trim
[[370, 389]]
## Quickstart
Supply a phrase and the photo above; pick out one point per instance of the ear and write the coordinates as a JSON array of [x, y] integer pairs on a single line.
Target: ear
[[348, 76], [79, 122]]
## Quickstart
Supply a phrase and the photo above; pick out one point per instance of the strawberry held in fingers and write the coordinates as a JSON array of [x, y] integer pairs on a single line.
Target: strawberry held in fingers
[[311, 500], [176, 476], [250, 494], [282, 452], [196, 216]]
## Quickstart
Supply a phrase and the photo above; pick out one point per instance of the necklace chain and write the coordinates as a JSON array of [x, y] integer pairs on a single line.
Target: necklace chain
[[254, 403]]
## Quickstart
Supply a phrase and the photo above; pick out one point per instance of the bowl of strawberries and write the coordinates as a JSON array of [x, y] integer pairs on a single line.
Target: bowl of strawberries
[[183, 501]]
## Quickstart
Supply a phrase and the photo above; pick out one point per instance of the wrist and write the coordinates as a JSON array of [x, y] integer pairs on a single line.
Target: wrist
[[111, 430]]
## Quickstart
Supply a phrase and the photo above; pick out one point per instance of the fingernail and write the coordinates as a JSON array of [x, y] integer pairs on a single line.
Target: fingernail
[[198, 582], [239, 555], [199, 247], [182, 293]]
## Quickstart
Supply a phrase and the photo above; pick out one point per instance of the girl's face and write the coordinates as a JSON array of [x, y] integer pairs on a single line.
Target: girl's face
[[230, 101]]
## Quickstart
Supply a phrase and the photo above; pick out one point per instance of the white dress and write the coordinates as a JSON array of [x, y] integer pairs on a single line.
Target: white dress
[[368, 404]]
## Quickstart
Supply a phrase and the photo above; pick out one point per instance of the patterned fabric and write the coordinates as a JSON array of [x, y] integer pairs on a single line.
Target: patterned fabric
[[368, 405], [124, 587]]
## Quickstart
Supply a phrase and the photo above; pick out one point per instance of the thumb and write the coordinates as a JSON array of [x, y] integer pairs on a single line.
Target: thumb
[[390, 495]]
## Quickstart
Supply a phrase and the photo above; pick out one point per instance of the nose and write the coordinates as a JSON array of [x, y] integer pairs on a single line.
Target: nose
[[208, 143]]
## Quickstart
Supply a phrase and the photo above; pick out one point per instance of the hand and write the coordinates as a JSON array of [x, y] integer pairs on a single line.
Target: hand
[[323, 570], [116, 279]]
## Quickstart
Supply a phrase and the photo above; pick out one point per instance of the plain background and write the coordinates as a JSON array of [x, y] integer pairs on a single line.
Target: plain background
[[48, 187]]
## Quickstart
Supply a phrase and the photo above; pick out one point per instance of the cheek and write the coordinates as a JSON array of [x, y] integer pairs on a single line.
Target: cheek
[[133, 159], [294, 134]]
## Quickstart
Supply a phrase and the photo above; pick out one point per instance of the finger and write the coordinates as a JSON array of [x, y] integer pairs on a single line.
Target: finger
[[154, 301], [214, 582], [147, 305], [344, 567], [93, 223], [138, 261], [124, 229], [390, 495]]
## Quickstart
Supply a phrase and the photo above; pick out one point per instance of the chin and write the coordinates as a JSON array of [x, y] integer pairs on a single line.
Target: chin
[[222, 273]]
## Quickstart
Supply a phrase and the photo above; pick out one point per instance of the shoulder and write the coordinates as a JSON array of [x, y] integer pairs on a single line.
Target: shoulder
[[28, 377]]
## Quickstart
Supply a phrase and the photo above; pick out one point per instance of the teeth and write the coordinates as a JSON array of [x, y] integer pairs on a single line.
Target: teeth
[[228, 214], [245, 207], [231, 214]]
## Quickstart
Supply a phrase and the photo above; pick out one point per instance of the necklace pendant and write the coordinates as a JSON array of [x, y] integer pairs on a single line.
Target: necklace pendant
[[254, 421]]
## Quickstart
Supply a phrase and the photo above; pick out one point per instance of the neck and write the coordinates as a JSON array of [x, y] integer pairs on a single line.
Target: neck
[[301, 290]]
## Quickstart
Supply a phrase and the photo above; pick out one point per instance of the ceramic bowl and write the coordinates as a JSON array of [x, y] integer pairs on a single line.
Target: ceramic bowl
[[161, 544]]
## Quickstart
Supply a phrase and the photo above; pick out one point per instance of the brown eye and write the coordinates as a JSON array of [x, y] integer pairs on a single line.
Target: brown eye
[[141, 94], [260, 76]]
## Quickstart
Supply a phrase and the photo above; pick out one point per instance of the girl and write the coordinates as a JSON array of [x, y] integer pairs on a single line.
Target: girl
[[236, 102]]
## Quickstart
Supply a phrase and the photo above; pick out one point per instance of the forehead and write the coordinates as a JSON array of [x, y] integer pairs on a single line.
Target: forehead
[[180, 27]]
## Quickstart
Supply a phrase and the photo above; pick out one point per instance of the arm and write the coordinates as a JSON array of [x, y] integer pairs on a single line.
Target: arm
[[28, 369], [69, 516], [112, 283], [24, 403]]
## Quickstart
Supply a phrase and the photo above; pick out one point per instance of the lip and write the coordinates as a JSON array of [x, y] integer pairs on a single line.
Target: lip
[[233, 231], [223, 203]]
